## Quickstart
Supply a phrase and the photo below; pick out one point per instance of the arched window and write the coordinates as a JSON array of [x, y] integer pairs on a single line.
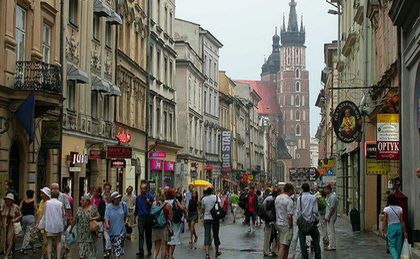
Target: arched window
[[297, 115], [297, 86], [297, 100], [297, 130], [297, 73]]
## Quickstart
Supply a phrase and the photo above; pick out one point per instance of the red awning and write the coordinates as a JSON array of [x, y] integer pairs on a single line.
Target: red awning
[[230, 181]]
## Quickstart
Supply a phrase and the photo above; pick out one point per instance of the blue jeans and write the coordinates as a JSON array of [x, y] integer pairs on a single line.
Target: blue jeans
[[315, 238]]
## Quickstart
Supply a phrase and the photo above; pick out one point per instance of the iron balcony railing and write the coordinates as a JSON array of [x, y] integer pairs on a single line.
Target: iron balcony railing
[[38, 76]]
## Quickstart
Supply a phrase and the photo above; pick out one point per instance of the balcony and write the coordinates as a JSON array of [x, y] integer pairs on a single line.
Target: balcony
[[349, 41], [38, 76]]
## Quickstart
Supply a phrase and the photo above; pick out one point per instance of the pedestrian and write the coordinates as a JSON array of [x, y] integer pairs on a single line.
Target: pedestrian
[[307, 211], [394, 226], [188, 195], [331, 217], [144, 202], [116, 214], [10, 188], [62, 197], [107, 188], [178, 210], [210, 225], [28, 208], [130, 200], [284, 220], [162, 233], [260, 200], [251, 209], [268, 215], [106, 239], [40, 220], [54, 216], [234, 199], [85, 215], [69, 197], [193, 218], [322, 206], [224, 202], [10, 215]]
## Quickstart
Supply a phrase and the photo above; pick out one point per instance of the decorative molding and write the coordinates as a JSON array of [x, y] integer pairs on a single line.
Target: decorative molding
[[72, 46]]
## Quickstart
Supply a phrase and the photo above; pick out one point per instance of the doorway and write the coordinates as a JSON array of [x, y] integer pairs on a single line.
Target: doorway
[[14, 165]]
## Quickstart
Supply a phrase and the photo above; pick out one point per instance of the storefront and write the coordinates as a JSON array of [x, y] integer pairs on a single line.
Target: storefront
[[162, 162]]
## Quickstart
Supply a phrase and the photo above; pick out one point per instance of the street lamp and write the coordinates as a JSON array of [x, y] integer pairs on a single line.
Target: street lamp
[[333, 12]]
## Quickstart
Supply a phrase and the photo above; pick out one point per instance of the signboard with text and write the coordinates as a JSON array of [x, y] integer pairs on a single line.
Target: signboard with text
[[157, 155], [388, 137], [169, 166], [226, 151], [347, 122], [117, 152], [377, 167], [118, 163]]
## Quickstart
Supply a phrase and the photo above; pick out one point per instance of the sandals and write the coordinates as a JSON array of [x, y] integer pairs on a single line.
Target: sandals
[[218, 253], [207, 256]]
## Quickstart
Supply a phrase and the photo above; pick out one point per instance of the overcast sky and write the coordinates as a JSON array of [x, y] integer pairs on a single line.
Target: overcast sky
[[245, 28]]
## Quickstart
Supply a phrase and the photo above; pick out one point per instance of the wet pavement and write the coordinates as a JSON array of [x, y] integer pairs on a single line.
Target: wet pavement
[[239, 244]]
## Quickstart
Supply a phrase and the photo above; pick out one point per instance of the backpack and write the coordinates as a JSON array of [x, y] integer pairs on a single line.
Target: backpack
[[242, 201], [304, 226], [268, 212], [217, 212], [178, 214], [158, 216]]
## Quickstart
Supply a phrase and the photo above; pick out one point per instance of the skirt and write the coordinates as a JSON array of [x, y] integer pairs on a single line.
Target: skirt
[[160, 234], [192, 217], [117, 243], [175, 237]]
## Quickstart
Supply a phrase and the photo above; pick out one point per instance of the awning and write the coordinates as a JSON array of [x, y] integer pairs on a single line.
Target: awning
[[100, 85], [114, 18], [230, 181], [114, 90], [76, 74], [101, 9]]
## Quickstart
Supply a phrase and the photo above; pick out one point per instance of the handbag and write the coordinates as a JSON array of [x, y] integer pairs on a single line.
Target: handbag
[[93, 226], [217, 212], [304, 226], [17, 228]]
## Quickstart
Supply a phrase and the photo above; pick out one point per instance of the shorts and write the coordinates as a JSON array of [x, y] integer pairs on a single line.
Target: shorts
[[117, 243], [192, 217], [284, 234], [251, 215]]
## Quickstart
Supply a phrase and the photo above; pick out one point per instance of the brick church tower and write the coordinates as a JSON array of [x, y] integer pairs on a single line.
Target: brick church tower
[[293, 90]]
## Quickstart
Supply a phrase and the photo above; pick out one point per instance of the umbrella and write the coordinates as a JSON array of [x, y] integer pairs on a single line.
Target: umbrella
[[201, 183]]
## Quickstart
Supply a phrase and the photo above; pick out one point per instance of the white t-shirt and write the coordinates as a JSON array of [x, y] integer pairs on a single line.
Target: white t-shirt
[[54, 216], [394, 213], [207, 203], [284, 207]]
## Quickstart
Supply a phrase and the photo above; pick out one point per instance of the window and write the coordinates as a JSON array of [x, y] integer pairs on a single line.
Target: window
[[165, 125], [151, 57], [288, 56], [166, 71], [297, 100], [215, 105], [297, 156], [158, 119], [158, 65], [71, 95], [297, 130], [297, 56], [96, 25], [108, 34], [190, 91], [292, 100], [158, 12], [151, 120], [20, 33], [205, 64], [297, 73], [170, 24], [170, 73], [170, 127], [73, 11], [297, 86], [46, 43], [303, 144], [166, 19], [303, 100], [94, 104], [304, 115], [106, 108], [209, 69], [205, 100], [215, 72], [210, 99], [297, 115]]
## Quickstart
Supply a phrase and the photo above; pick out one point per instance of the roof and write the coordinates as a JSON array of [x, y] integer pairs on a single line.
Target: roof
[[267, 92]]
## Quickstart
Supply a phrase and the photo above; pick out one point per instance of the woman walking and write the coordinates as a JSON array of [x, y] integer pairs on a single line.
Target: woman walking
[[54, 223], [10, 214], [28, 208], [40, 221], [115, 219], [394, 226], [86, 238], [193, 217], [210, 224], [178, 211], [162, 234]]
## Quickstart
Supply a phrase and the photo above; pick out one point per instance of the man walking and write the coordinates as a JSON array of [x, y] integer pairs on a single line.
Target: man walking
[[331, 217], [307, 209], [284, 219], [130, 200], [251, 209], [268, 215], [144, 203]]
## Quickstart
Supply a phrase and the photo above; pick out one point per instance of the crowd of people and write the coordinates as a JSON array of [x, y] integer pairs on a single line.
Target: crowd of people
[[294, 220]]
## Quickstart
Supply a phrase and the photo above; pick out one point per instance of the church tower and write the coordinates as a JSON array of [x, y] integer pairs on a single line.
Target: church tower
[[293, 89], [271, 66]]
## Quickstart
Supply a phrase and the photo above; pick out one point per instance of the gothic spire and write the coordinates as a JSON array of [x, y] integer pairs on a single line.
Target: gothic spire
[[276, 41], [302, 29], [283, 27], [293, 23]]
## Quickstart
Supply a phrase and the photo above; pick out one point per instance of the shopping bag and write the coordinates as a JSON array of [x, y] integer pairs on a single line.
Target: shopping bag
[[17, 228], [406, 250]]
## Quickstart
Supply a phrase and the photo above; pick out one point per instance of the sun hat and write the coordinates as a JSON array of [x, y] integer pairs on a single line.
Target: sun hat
[[46, 191], [115, 195], [10, 196]]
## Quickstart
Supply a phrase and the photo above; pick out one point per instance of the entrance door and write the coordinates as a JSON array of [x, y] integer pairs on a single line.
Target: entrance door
[[42, 169], [14, 165]]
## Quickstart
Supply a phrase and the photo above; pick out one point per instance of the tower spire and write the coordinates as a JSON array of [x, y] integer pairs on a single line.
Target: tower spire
[[301, 24], [293, 23], [283, 28]]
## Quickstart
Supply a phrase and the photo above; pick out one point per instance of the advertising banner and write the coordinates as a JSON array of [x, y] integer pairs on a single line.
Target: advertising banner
[[388, 137], [155, 164], [169, 166], [226, 151], [375, 167]]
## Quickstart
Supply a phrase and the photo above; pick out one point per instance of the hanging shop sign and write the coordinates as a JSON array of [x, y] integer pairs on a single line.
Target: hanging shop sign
[[123, 135], [77, 159], [157, 155], [208, 168], [169, 166], [377, 167], [226, 151], [117, 152], [96, 154], [118, 163], [370, 149], [155, 164], [388, 137], [75, 169], [50, 138], [347, 122]]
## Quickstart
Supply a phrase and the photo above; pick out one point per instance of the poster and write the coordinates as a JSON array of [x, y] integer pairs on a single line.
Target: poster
[[388, 137], [226, 151], [347, 122]]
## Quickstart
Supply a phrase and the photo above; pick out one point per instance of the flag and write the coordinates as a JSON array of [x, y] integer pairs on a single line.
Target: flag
[[25, 114]]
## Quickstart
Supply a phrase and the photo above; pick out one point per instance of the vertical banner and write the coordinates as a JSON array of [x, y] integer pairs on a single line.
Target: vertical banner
[[388, 137], [226, 151]]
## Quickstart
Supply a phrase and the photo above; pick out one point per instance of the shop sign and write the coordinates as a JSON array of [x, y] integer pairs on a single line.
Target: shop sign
[[157, 155], [226, 151], [208, 168], [50, 138], [76, 158], [123, 135], [326, 163], [75, 169], [118, 163], [155, 164], [304, 174], [95, 154], [329, 180], [377, 167], [169, 166], [119, 152], [347, 122], [370, 149], [388, 137]]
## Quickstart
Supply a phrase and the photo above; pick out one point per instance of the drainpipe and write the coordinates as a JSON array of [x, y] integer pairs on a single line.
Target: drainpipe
[[149, 71], [62, 35]]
